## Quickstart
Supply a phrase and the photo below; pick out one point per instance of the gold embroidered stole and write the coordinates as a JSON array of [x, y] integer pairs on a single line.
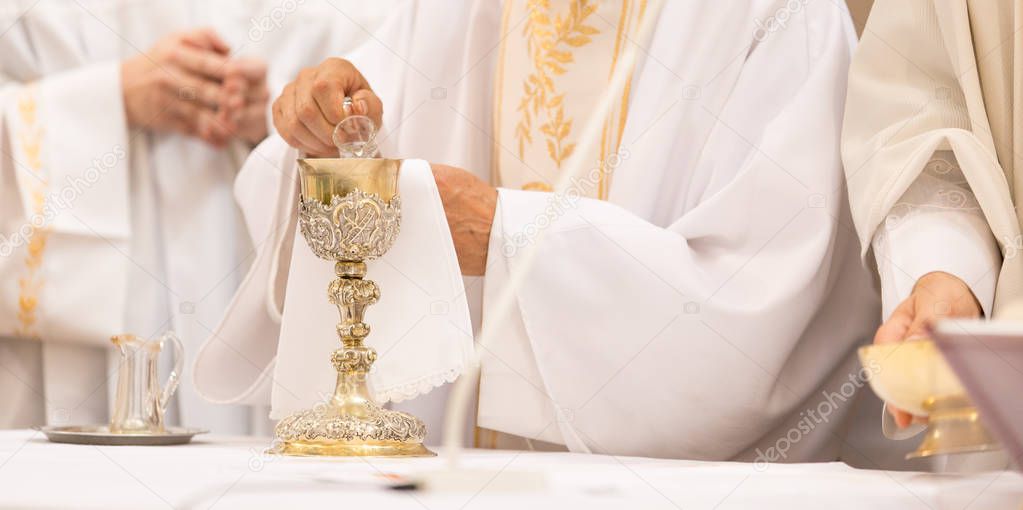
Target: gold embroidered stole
[[555, 60]]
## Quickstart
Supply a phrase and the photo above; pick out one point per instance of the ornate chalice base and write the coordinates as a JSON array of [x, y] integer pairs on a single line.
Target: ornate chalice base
[[348, 226], [353, 427]]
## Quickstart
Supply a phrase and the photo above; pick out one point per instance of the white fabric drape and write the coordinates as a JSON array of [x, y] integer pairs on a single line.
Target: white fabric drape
[[700, 266], [420, 327]]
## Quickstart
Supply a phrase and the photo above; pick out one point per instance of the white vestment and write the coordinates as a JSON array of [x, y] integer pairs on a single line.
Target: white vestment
[[134, 231], [709, 308]]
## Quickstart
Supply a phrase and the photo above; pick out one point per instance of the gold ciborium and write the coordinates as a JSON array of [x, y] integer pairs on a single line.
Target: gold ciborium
[[915, 377], [349, 213]]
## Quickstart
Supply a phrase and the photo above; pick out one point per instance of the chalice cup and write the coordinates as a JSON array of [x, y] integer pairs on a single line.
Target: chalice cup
[[350, 212]]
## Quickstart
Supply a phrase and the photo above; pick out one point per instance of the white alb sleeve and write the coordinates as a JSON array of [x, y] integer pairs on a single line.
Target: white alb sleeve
[[937, 225]]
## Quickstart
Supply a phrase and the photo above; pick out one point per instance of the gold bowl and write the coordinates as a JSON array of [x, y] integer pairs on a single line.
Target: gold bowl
[[914, 376], [324, 178]]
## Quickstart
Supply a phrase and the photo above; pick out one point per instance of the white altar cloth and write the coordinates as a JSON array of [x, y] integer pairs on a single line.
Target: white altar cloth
[[224, 473]]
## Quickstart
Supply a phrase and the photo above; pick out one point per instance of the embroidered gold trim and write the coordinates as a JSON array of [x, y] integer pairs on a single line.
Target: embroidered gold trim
[[550, 42], [548, 86], [626, 23], [622, 21], [30, 283], [495, 161], [537, 186]]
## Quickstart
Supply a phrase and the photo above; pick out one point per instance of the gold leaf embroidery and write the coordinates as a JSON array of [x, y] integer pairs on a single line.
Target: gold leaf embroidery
[[537, 186], [27, 109], [549, 43], [31, 282]]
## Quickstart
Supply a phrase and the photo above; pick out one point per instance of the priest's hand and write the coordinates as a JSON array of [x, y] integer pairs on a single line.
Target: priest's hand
[[469, 204], [244, 97], [309, 107], [176, 86], [936, 295]]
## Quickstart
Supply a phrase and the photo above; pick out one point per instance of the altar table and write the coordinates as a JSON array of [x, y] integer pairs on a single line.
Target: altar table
[[232, 472]]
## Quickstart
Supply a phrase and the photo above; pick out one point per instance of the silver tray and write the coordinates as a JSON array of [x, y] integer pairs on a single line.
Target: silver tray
[[101, 435]]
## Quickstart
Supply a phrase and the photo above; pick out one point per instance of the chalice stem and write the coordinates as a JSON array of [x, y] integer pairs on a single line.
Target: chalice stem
[[351, 293]]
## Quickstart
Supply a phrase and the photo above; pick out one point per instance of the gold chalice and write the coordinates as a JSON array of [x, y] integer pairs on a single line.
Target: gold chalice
[[349, 213], [915, 377]]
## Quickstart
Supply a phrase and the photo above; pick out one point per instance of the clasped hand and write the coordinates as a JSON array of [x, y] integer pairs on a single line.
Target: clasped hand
[[187, 83]]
